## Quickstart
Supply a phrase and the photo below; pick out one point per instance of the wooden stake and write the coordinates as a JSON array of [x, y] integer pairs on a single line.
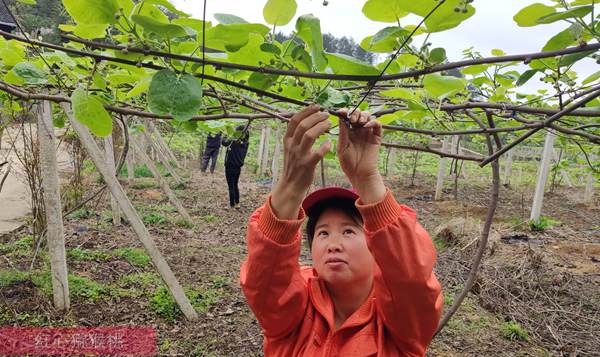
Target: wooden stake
[[276, 155], [588, 195], [259, 152], [538, 198], [165, 187], [161, 142], [109, 155], [439, 186], [132, 216], [51, 193], [162, 158], [508, 168]]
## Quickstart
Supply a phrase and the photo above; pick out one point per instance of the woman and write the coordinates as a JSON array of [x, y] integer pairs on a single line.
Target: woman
[[237, 148], [371, 290]]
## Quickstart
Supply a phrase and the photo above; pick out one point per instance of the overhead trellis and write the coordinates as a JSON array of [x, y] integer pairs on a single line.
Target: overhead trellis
[[150, 60]]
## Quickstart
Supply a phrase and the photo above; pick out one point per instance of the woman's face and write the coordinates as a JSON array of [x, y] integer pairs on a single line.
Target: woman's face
[[339, 249]]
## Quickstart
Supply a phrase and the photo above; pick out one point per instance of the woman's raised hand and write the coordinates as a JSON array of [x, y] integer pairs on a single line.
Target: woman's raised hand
[[358, 153], [299, 160]]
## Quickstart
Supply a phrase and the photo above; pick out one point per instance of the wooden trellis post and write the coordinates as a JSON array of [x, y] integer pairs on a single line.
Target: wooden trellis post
[[113, 184], [162, 158], [276, 156], [508, 167], [51, 193], [391, 163], [588, 195], [439, 186], [259, 152], [165, 187], [151, 128], [538, 198], [110, 165]]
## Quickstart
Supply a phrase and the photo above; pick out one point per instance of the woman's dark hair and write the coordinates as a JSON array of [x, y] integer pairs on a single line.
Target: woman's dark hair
[[344, 205], [245, 133]]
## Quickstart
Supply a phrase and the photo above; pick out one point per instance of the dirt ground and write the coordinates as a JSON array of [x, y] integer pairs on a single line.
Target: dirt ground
[[548, 282]]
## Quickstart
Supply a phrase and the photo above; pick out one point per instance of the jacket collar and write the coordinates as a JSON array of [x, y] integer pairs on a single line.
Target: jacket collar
[[324, 305]]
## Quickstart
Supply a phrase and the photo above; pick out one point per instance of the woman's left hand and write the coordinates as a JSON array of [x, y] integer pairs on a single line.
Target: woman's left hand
[[358, 153]]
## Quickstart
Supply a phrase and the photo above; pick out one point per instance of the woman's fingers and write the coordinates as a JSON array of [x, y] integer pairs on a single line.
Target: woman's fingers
[[298, 117], [364, 118], [306, 124], [376, 126], [355, 117], [321, 151], [311, 135]]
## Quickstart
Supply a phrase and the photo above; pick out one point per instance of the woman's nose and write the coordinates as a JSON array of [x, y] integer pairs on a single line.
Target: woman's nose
[[335, 244]]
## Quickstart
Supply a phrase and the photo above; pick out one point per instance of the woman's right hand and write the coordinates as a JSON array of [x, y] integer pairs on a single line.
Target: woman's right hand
[[299, 160]]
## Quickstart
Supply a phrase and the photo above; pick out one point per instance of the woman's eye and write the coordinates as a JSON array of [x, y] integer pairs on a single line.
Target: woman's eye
[[348, 231], [322, 234]]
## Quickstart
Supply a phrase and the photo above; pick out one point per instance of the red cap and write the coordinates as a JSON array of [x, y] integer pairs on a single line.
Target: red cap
[[327, 193]]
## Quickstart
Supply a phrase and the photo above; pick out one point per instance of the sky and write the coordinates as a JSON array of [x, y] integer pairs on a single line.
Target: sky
[[491, 27]]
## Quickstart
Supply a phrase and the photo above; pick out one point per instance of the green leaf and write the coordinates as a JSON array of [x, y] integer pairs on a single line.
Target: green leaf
[[279, 12], [332, 97], [560, 40], [261, 80], [384, 10], [89, 111], [270, 48], [574, 57], [442, 86], [437, 55], [401, 93], [407, 60], [526, 76], [27, 2], [228, 19], [498, 52], [167, 5], [591, 78], [475, 69], [343, 64], [87, 31], [308, 29], [11, 52], [92, 12], [389, 45], [569, 14], [180, 96], [389, 36], [302, 58], [444, 18], [30, 73], [161, 29], [529, 15]]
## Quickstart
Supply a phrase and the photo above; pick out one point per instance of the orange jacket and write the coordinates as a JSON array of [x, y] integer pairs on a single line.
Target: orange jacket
[[296, 313]]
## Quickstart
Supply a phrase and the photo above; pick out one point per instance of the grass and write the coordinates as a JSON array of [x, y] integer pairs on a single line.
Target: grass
[[87, 255], [10, 277], [79, 287], [163, 303], [154, 218], [144, 185], [514, 331], [20, 248], [143, 171], [209, 218], [542, 224], [81, 213], [134, 256]]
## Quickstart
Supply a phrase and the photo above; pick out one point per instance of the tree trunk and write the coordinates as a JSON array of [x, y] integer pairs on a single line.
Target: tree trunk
[[51, 193]]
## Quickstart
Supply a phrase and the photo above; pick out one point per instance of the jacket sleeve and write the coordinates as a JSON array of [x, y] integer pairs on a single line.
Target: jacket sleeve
[[270, 276], [407, 294]]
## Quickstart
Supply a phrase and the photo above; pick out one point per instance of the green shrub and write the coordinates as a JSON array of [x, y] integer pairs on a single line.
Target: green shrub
[[134, 256], [10, 277], [143, 280], [154, 218], [183, 223], [513, 331], [20, 248], [543, 223], [87, 255]]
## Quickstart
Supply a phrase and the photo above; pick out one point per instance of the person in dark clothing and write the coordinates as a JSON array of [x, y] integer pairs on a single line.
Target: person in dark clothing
[[211, 152], [237, 148]]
